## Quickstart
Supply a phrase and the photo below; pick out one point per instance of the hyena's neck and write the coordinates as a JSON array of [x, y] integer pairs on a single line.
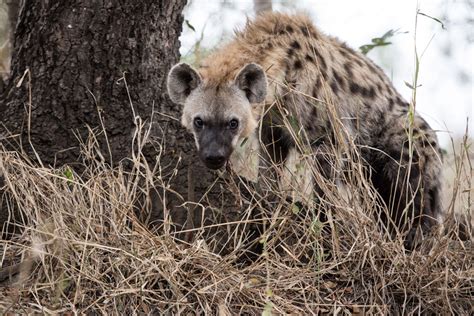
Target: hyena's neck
[[286, 47]]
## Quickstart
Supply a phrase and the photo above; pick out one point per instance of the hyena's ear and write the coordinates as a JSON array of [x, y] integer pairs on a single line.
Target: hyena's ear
[[253, 81], [182, 79]]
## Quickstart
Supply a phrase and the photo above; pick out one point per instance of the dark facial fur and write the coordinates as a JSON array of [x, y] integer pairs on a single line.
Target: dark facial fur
[[215, 140], [218, 115]]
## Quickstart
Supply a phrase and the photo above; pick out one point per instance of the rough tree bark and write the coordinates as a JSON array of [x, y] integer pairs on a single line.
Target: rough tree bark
[[262, 5], [75, 53], [72, 55], [13, 8]]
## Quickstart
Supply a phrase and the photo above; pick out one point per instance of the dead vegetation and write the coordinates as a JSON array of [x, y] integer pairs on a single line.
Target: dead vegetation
[[81, 248]]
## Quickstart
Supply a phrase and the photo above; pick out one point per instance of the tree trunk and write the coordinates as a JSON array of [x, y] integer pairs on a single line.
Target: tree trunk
[[69, 61], [72, 55], [68, 64], [262, 5], [13, 9]]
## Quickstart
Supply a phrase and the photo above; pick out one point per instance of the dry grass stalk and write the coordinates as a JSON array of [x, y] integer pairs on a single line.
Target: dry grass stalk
[[86, 251]]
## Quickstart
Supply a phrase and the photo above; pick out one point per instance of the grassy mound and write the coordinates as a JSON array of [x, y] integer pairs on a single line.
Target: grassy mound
[[82, 248]]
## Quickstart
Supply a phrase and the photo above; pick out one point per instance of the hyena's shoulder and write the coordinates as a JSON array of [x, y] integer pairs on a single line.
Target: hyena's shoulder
[[270, 40], [295, 53]]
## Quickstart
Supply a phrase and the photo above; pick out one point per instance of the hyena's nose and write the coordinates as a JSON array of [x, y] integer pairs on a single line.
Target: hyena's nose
[[214, 161]]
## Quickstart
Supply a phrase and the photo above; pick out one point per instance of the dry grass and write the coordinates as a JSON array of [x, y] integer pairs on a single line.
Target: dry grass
[[82, 249]]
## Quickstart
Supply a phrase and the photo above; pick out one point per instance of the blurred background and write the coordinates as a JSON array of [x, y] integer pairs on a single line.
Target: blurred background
[[445, 97], [446, 50]]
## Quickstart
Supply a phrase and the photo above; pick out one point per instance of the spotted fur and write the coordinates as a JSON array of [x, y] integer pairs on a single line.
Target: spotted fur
[[307, 70]]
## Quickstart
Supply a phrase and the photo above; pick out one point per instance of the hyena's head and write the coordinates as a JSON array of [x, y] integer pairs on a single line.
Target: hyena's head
[[219, 115]]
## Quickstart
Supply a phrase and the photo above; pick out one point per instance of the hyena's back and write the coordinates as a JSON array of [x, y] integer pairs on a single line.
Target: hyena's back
[[308, 71]]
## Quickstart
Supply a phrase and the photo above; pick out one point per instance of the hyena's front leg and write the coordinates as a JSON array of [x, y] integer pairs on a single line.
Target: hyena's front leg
[[406, 176]]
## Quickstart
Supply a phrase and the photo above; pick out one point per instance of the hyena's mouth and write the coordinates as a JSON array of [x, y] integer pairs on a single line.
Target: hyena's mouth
[[214, 158], [215, 148], [214, 163]]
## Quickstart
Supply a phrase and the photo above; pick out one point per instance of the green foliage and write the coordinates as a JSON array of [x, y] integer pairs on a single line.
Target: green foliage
[[409, 85], [316, 226], [433, 18], [67, 173], [267, 311], [377, 42], [294, 123], [188, 24], [197, 53], [295, 208]]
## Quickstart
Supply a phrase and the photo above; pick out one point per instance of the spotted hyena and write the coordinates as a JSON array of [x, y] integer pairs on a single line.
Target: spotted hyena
[[279, 67]]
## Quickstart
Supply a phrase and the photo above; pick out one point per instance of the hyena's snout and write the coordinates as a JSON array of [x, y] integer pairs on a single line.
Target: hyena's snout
[[214, 150], [213, 160], [214, 157]]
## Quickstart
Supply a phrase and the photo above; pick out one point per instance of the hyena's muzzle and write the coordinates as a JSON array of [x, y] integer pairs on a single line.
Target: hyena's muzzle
[[215, 146]]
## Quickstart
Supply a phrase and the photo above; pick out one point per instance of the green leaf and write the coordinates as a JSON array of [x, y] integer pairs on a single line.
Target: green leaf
[[433, 18], [189, 25], [68, 174], [377, 42], [267, 310], [295, 209], [294, 123], [409, 85], [316, 226]]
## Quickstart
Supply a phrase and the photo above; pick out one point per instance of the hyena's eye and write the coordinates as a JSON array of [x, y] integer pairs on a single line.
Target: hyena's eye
[[198, 123], [233, 124]]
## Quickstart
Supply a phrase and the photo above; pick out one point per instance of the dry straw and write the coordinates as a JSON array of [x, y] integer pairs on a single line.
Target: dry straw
[[82, 248], [82, 243]]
